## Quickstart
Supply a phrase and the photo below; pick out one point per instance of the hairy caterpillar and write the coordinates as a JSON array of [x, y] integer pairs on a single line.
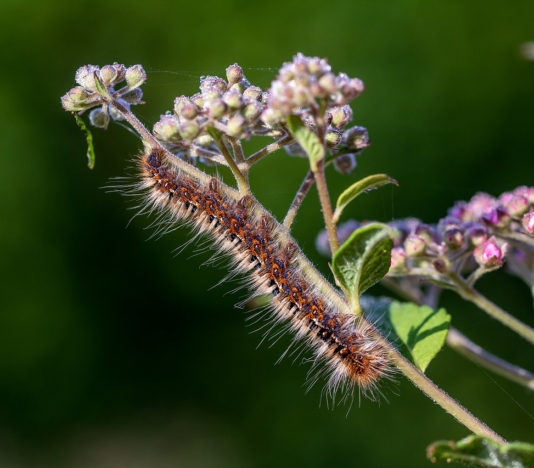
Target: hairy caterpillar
[[258, 245]]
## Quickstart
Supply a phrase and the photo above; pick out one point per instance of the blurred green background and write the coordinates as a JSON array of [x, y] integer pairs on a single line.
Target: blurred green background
[[114, 352]]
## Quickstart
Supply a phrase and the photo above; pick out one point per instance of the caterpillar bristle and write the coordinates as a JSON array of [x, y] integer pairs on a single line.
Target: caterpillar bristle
[[345, 349]]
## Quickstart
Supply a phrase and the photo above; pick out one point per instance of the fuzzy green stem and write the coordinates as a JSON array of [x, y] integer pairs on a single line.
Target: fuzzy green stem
[[463, 345], [242, 182], [471, 294], [299, 198], [431, 390], [284, 141], [326, 206]]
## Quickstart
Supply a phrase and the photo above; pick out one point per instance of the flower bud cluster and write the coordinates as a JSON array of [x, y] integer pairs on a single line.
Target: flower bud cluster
[[307, 87], [93, 81], [476, 237], [307, 83]]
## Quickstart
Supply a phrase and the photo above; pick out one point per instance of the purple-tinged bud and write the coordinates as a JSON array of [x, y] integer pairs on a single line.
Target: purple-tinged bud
[[167, 129], [476, 235], [236, 126], [322, 244], [135, 76], [328, 83], [449, 222], [489, 255], [189, 129], [345, 164], [85, 76], [480, 204], [252, 111], [453, 238], [295, 150], [79, 99], [528, 223], [133, 96], [414, 246], [233, 99], [332, 138], [497, 218], [112, 74], [99, 118], [317, 66], [211, 93], [458, 210], [398, 260], [346, 229], [425, 231], [253, 92], [270, 116], [185, 107], [208, 82], [340, 116], [441, 265], [239, 87], [516, 205], [234, 74], [198, 99], [356, 138], [216, 108], [203, 140]]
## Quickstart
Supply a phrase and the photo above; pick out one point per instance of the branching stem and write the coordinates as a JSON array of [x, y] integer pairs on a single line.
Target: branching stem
[[299, 198], [471, 294]]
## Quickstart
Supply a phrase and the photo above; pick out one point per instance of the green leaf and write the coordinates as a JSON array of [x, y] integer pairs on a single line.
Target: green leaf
[[483, 452], [307, 139], [363, 260], [89, 138], [362, 186], [421, 329]]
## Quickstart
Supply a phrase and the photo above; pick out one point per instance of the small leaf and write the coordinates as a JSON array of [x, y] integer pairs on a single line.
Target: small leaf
[[421, 329], [307, 139], [89, 138], [99, 85], [364, 185], [363, 260], [482, 452]]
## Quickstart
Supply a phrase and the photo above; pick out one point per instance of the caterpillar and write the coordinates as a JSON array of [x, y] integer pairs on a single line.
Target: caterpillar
[[345, 347]]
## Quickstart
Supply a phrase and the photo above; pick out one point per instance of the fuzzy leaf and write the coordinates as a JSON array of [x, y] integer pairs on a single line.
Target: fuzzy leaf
[[363, 260], [421, 329], [364, 185], [483, 452], [307, 139], [89, 138]]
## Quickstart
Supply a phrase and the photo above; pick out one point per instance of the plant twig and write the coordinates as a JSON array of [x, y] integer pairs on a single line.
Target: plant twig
[[254, 158], [326, 206], [463, 345], [437, 395], [299, 198], [492, 309], [460, 343]]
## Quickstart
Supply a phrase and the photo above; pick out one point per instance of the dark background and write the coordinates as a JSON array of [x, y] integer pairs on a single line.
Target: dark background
[[116, 353]]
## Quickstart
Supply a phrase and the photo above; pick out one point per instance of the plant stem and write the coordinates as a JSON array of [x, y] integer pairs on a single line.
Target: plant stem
[[430, 389], [299, 198], [284, 141], [465, 346], [471, 294], [242, 182], [326, 206]]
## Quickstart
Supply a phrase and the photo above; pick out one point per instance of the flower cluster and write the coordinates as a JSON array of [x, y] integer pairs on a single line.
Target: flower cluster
[[232, 107], [209, 125], [88, 94], [476, 237]]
